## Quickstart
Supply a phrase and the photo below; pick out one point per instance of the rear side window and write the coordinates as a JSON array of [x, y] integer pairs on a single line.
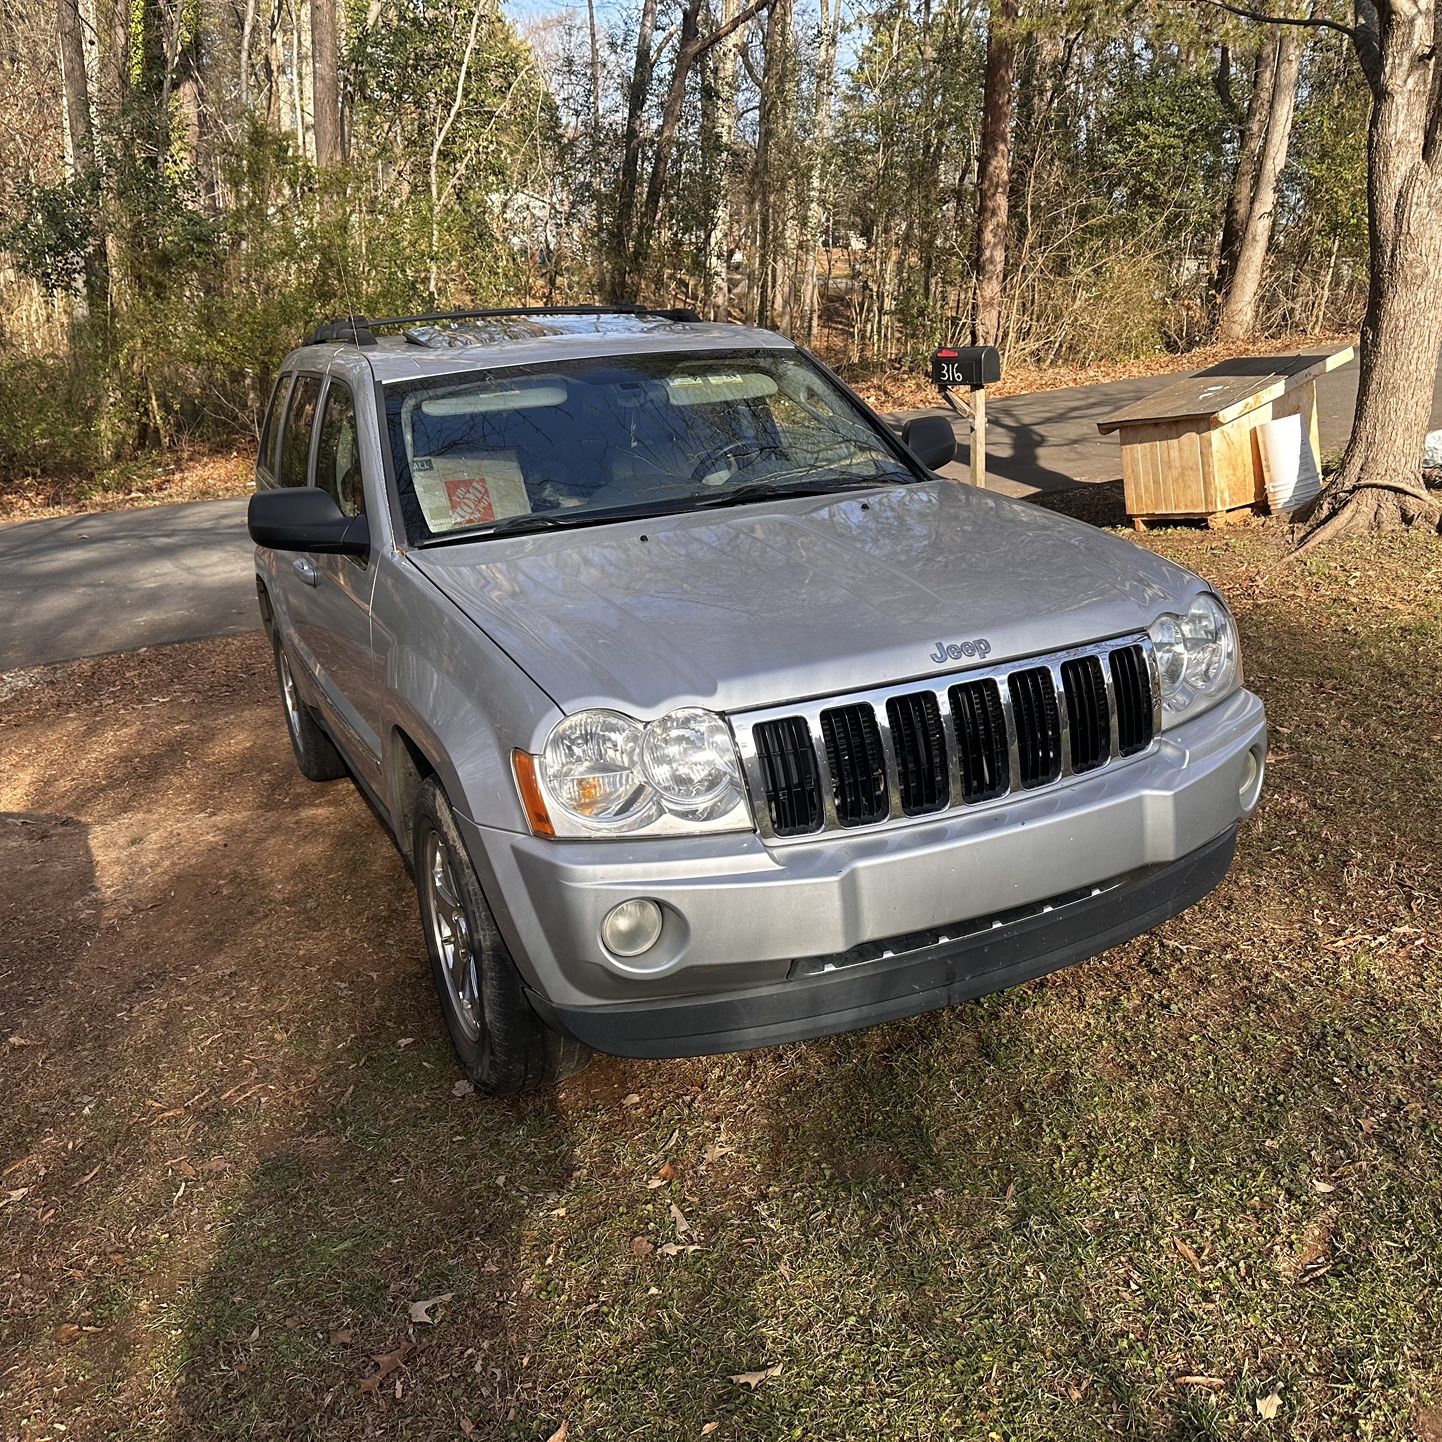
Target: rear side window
[[295, 444], [337, 455], [265, 460]]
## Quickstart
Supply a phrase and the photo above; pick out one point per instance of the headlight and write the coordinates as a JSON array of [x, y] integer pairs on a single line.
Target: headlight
[[690, 759], [592, 766], [604, 774], [1198, 661]]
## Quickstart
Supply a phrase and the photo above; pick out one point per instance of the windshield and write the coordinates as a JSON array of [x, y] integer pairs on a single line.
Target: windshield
[[583, 441]]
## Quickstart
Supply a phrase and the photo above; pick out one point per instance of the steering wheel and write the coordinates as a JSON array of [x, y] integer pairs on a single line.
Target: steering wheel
[[730, 455]]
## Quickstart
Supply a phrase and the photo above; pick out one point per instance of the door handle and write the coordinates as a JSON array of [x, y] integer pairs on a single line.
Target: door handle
[[307, 571]]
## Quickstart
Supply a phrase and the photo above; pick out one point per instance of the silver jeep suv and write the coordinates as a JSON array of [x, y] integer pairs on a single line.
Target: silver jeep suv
[[707, 714]]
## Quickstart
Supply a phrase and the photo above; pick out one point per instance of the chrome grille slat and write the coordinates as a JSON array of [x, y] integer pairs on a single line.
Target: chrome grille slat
[[1071, 714]]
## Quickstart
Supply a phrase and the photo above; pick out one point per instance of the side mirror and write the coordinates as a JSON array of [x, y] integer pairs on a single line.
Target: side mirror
[[304, 518], [931, 439]]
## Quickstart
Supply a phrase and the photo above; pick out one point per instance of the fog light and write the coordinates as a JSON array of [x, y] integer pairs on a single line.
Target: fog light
[[632, 927], [1250, 787]]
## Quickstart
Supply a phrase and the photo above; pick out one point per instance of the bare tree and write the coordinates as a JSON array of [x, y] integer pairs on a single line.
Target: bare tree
[[618, 258], [691, 47], [820, 137], [1251, 127], [325, 82], [1239, 303], [1378, 484], [719, 123], [994, 178]]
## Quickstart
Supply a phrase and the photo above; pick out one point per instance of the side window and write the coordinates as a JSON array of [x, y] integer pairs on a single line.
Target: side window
[[295, 444], [265, 459], [337, 456]]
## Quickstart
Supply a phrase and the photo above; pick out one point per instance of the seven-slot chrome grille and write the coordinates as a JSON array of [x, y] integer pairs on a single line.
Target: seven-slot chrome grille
[[912, 750]]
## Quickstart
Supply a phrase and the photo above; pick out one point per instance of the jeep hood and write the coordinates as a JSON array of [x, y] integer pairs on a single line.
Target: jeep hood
[[764, 604]]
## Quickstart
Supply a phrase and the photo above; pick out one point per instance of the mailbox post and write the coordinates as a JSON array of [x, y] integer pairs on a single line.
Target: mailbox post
[[972, 368]]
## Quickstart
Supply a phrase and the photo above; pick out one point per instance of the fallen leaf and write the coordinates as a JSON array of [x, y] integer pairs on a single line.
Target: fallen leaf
[[653, 1182], [561, 1433], [341, 1335], [66, 1333], [709, 1428], [255, 1335], [1188, 1253], [682, 1225], [468, 1428], [14, 1196], [1268, 1406], [640, 1247], [631, 1100], [676, 1249], [463, 1088], [667, 1172], [405, 1041], [421, 1311], [1323, 1187], [755, 1379], [1200, 1382], [387, 1362]]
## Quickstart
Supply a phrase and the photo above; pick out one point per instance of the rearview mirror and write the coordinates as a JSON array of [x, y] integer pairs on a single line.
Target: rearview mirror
[[932, 441], [305, 518]]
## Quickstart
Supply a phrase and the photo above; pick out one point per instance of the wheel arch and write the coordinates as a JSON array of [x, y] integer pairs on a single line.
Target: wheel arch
[[408, 768]]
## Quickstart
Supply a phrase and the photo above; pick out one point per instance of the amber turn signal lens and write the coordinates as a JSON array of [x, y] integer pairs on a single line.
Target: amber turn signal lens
[[528, 784]]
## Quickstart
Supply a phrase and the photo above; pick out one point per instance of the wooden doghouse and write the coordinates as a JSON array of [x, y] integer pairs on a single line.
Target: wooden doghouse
[[1190, 450]]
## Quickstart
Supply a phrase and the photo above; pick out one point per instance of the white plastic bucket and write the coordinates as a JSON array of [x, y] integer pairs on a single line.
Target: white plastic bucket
[[1288, 466]]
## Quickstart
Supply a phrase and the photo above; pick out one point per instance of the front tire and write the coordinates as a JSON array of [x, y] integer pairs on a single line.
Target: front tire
[[315, 752], [501, 1043]]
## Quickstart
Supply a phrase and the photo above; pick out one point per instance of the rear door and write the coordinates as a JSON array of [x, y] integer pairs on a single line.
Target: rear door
[[330, 596]]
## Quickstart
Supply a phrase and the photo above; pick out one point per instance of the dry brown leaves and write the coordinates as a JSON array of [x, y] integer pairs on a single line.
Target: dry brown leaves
[[754, 1379]]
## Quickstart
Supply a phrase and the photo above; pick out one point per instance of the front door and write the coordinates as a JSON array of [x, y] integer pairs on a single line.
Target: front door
[[330, 606]]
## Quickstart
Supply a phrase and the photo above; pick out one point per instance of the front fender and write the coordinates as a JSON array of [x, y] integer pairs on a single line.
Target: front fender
[[459, 698]]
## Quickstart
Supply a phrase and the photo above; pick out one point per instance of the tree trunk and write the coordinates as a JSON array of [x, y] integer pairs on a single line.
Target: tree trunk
[[1244, 180], [719, 138], [686, 53], [595, 83], [773, 125], [1378, 484], [689, 49], [816, 155], [79, 139], [326, 83], [994, 173], [1239, 308], [618, 280]]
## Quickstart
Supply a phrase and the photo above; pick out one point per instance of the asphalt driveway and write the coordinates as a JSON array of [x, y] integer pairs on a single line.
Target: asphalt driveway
[[118, 580]]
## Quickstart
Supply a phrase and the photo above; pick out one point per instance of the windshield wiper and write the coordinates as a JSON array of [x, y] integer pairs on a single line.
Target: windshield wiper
[[542, 521], [777, 491]]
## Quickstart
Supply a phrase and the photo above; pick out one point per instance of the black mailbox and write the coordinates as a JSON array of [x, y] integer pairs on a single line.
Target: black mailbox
[[966, 365]]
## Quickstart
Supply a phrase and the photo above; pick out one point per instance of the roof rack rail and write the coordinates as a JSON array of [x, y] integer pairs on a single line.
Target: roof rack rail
[[358, 330]]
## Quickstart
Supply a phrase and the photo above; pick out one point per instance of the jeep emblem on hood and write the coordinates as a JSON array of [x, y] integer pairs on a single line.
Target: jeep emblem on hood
[[961, 650]]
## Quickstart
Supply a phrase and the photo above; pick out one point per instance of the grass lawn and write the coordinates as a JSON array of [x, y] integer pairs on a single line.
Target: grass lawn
[[1187, 1190]]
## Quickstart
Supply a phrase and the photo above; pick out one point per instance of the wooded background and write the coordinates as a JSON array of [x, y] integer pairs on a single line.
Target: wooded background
[[188, 185]]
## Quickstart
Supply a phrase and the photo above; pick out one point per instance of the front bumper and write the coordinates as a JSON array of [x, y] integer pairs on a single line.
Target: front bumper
[[998, 954], [739, 914]]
